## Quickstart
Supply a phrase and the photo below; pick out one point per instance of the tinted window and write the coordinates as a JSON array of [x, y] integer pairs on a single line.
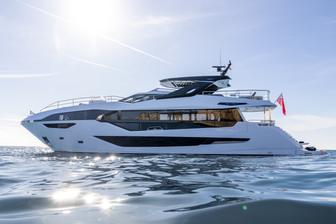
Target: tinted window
[[193, 115], [183, 115], [76, 115], [60, 125], [112, 116]]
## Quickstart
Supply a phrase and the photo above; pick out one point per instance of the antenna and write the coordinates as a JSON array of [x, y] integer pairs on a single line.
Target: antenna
[[228, 67], [223, 69], [220, 56]]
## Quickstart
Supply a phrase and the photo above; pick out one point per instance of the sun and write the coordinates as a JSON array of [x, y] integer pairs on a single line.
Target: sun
[[94, 16]]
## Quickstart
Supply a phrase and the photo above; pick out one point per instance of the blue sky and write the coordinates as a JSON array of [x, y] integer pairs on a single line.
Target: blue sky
[[61, 49]]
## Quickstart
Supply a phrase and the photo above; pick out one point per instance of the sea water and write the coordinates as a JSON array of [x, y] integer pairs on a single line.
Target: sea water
[[41, 186]]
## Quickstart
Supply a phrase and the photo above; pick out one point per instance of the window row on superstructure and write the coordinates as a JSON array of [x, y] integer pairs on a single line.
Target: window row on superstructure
[[139, 120]]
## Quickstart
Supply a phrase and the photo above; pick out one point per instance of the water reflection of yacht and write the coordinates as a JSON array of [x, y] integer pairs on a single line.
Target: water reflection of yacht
[[191, 115]]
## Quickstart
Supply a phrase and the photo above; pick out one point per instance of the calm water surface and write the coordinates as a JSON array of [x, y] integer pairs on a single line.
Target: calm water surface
[[39, 186]]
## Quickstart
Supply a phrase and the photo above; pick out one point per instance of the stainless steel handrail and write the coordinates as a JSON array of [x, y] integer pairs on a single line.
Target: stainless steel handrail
[[80, 100], [248, 93], [263, 122]]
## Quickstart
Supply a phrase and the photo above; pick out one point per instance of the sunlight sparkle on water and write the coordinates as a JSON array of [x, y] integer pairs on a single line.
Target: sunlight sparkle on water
[[97, 158], [111, 158], [90, 198], [66, 212], [105, 204], [65, 195]]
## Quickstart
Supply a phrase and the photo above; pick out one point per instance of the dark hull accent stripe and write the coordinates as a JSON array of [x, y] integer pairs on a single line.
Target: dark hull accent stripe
[[59, 125], [231, 103], [156, 141]]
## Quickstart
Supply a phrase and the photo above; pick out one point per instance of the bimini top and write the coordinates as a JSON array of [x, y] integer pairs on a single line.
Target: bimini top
[[193, 85], [221, 80]]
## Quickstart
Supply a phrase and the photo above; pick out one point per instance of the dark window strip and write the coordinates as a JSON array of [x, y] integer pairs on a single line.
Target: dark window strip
[[150, 141], [75, 115], [231, 114], [171, 125], [59, 125]]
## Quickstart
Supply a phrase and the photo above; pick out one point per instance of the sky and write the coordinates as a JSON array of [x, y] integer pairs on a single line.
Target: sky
[[61, 49]]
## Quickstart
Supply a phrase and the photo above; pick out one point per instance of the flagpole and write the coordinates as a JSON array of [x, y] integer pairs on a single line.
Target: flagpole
[[278, 98]]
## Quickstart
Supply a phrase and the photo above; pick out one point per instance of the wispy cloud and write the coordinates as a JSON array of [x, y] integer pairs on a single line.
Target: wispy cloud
[[306, 122], [102, 36], [85, 61], [314, 129], [156, 20], [164, 20], [25, 75]]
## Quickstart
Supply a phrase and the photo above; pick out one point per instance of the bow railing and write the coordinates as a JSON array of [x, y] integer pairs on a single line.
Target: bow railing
[[81, 100]]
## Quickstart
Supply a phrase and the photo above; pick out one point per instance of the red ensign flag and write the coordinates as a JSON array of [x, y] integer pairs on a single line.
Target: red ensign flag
[[281, 102]]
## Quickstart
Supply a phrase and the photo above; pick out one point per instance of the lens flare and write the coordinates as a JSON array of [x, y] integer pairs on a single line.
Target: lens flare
[[94, 16]]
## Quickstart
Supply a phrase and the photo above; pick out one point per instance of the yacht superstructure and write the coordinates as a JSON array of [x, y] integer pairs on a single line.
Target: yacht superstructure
[[191, 115]]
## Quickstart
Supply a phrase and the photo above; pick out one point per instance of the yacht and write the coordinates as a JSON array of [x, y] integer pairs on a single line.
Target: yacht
[[188, 115]]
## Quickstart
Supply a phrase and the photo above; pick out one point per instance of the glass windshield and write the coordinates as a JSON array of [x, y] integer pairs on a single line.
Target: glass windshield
[[138, 98]]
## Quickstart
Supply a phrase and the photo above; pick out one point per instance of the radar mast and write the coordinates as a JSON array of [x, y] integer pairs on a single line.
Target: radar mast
[[223, 69]]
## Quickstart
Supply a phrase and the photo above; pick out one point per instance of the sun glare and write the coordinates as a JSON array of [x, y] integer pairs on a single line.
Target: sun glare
[[93, 16]]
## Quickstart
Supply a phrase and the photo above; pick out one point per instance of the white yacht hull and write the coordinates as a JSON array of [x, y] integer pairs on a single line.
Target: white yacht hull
[[244, 138], [193, 117]]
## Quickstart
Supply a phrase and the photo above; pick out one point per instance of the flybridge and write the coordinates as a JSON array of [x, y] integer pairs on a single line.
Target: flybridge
[[220, 81], [177, 87], [194, 85]]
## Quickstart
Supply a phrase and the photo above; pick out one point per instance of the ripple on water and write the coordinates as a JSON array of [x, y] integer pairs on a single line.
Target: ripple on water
[[36, 184]]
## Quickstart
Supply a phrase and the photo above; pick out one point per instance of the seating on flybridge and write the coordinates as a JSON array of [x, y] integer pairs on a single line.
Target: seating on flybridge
[[190, 115]]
